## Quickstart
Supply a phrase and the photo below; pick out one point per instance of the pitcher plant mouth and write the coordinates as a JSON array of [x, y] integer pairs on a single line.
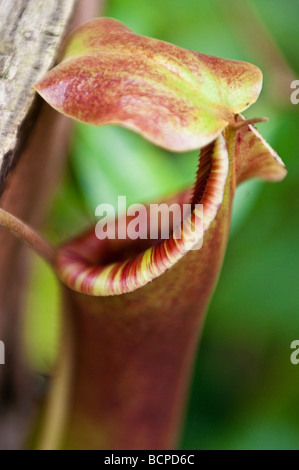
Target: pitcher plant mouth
[[75, 262]]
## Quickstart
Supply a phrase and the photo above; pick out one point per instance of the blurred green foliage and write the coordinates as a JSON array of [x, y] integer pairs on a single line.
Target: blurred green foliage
[[245, 389]]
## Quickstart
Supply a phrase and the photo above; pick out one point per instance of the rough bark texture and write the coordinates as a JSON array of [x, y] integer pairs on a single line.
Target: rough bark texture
[[35, 137]]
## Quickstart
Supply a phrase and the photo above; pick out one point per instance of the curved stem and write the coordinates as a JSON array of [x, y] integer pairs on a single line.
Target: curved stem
[[28, 235]]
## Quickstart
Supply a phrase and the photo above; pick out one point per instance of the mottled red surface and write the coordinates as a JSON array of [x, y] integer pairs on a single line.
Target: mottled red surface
[[255, 158], [134, 352], [178, 99]]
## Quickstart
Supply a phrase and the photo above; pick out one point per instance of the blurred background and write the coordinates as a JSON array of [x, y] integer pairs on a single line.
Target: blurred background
[[244, 393]]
